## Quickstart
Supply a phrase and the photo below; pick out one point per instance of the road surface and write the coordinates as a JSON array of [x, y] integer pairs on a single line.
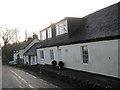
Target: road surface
[[0, 74], [17, 78]]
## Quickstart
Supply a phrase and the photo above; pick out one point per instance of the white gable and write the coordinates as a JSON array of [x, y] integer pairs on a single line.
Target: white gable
[[22, 51]]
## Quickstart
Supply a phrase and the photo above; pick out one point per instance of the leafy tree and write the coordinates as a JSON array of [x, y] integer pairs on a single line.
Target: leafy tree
[[7, 52]]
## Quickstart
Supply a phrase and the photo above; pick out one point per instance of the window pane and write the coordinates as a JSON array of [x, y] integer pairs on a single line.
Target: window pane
[[41, 54], [61, 28], [49, 32], [57, 30], [85, 54], [43, 35], [59, 54], [51, 54], [33, 58]]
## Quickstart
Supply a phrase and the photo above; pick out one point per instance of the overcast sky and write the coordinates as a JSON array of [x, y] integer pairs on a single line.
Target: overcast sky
[[34, 15]]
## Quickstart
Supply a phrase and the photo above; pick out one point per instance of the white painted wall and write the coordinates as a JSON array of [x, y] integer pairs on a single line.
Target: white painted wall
[[47, 59], [102, 52], [99, 53], [119, 58], [103, 57]]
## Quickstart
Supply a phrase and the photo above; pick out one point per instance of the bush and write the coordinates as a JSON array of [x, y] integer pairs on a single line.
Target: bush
[[61, 65], [54, 63]]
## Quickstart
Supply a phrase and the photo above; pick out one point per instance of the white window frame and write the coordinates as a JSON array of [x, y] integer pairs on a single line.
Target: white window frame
[[49, 31], [43, 35], [51, 54], [61, 27], [42, 56], [59, 54], [84, 53], [33, 59], [57, 30]]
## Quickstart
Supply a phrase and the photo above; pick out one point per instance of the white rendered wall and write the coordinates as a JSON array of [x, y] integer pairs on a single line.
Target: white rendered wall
[[103, 57], [47, 59], [119, 58]]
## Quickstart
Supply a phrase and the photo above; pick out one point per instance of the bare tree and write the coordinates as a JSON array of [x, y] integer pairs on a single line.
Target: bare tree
[[26, 35], [6, 36], [9, 36], [15, 36]]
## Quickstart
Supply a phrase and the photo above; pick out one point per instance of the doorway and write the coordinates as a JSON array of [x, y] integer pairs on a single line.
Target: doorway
[[59, 54]]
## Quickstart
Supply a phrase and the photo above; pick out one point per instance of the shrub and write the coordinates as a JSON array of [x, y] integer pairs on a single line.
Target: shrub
[[61, 65], [54, 63]]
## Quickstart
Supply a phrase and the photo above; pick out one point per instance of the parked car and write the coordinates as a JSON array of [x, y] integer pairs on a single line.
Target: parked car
[[12, 63]]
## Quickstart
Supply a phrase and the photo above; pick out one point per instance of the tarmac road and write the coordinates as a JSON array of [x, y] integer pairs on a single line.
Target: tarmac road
[[0, 74], [16, 78]]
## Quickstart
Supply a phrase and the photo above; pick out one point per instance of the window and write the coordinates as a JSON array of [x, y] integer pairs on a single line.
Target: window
[[61, 28], [33, 59], [59, 54], [52, 54], [49, 30], [85, 54], [57, 30], [43, 35], [42, 54]]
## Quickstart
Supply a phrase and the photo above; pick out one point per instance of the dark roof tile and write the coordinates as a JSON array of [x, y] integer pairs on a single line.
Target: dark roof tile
[[32, 50], [100, 25]]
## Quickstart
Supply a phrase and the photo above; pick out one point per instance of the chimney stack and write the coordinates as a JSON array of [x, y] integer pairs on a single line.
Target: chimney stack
[[35, 36], [29, 38]]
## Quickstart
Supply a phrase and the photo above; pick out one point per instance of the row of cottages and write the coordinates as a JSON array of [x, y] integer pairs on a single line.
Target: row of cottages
[[87, 44]]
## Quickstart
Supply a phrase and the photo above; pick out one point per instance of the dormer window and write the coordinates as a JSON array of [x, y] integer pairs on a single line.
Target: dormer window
[[43, 35], [49, 31], [61, 28]]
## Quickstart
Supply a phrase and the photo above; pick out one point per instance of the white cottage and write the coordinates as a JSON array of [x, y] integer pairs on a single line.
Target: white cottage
[[87, 44], [25, 58], [31, 55]]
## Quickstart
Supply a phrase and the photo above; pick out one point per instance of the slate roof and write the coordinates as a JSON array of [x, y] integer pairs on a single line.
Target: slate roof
[[32, 50], [101, 25], [26, 43]]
